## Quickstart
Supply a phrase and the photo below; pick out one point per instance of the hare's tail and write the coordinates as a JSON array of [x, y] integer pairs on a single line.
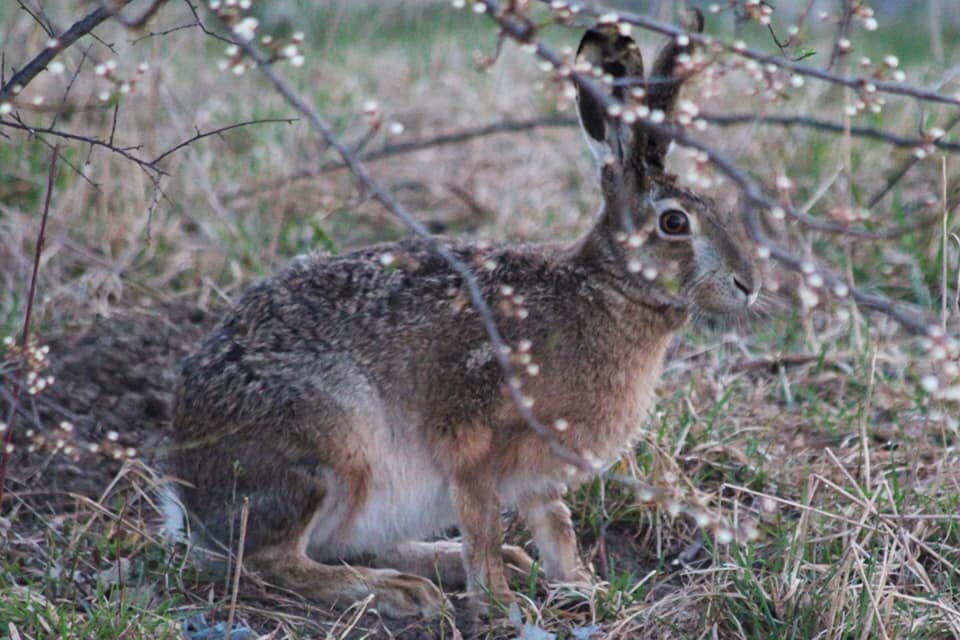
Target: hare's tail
[[174, 527]]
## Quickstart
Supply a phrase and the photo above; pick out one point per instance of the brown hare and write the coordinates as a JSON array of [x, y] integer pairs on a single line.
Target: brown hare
[[357, 403]]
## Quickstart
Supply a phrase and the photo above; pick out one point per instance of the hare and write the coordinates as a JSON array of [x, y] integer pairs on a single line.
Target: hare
[[357, 403]]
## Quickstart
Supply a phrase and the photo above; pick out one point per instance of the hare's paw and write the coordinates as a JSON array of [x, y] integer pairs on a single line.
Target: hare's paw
[[401, 595], [519, 564], [577, 575]]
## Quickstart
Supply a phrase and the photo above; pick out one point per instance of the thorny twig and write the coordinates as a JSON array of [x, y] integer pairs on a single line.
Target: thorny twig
[[151, 167], [66, 92], [904, 168], [399, 148], [40, 17], [205, 134], [25, 330]]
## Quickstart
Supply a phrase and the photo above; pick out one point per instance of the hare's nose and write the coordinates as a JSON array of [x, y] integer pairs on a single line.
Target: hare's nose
[[747, 291]]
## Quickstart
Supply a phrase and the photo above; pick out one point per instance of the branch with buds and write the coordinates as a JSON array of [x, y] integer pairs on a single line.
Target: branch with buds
[[25, 350], [566, 11], [932, 141], [519, 27], [53, 48]]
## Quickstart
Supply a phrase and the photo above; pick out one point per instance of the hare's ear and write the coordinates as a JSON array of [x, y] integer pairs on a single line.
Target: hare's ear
[[619, 57], [663, 86]]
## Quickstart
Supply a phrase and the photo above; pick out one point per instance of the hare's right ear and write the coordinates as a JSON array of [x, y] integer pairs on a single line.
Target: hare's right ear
[[664, 86], [618, 56]]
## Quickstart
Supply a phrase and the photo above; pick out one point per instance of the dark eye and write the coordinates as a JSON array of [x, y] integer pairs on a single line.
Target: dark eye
[[674, 222]]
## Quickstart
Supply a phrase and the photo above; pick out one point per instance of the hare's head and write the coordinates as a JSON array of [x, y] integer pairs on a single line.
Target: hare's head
[[690, 245]]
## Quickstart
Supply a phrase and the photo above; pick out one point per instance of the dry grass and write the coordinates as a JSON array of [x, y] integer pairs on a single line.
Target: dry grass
[[808, 427]]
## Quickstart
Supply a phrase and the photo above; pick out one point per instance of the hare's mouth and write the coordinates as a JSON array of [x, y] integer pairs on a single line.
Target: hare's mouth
[[718, 294]]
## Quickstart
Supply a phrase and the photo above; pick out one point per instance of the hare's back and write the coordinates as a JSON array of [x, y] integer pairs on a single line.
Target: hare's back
[[381, 309]]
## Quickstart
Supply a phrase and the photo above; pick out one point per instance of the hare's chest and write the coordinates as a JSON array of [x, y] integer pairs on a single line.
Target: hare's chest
[[624, 418], [617, 404]]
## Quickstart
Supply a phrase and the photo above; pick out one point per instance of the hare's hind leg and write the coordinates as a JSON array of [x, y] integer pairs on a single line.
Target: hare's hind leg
[[301, 481], [443, 561], [289, 506], [395, 594], [289, 514]]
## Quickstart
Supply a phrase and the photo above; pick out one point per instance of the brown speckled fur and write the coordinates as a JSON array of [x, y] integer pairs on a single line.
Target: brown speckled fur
[[355, 400]]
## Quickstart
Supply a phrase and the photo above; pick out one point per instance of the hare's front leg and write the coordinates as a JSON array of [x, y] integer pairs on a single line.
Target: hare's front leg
[[548, 520], [478, 507]]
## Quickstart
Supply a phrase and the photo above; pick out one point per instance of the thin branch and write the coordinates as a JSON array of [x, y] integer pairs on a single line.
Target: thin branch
[[710, 42], [25, 330], [503, 126], [115, 118], [165, 32], [80, 28], [96, 142], [202, 26], [151, 166], [904, 168], [728, 119], [40, 18], [197, 22], [131, 23], [843, 33], [66, 92], [206, 134]]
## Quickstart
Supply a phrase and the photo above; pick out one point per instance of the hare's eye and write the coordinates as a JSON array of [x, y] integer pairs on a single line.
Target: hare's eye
[[674, 222]]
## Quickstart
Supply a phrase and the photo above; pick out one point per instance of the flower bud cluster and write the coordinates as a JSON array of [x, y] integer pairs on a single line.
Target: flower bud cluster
[[513, 305], [943, 351], [245, 28], [34, 362], [117, 84], [61, 440], [520, 355], [760, 12]]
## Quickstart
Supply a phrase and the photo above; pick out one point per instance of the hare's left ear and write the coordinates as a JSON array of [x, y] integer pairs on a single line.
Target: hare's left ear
[[618, 56], [663, 86]]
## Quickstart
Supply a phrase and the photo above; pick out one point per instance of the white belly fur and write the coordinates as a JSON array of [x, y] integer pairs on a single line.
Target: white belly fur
[[407, 499]]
